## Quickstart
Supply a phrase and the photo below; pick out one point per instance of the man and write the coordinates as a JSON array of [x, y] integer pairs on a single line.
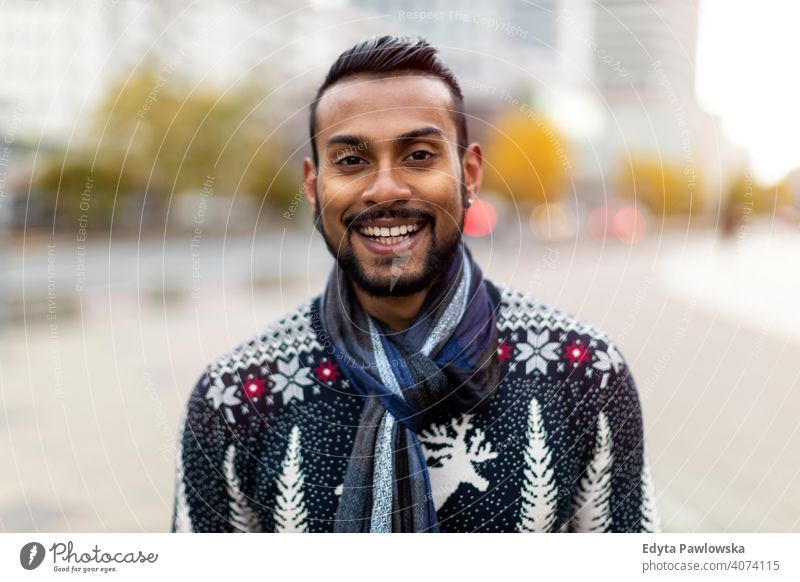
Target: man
[[412, 394]]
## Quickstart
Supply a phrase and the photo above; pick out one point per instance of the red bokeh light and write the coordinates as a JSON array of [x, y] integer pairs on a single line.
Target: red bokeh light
[[481, 219], [600, 222], [629, 226]]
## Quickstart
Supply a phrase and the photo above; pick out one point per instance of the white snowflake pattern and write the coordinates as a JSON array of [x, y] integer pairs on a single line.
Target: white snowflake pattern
[[290, 379], [603, 362], [606, 361], [220, 394], [538, 351]]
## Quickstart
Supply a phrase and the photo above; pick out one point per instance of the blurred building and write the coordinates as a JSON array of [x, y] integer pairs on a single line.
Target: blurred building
[[58, 58], [500, 51], [498, 43], [616, 76], [50, 53], [645, 71], [638, 34]]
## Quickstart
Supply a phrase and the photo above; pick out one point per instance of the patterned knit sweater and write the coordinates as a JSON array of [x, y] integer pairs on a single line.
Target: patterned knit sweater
[[268, 429]]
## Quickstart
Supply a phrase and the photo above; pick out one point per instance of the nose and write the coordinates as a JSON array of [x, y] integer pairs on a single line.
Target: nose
[[385, 187]]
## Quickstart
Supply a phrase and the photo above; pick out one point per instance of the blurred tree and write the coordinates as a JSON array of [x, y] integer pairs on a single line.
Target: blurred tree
[[746, 197], [177, 136], [664, 187], [154, 133], [747, 194], [76, 188], [265, 179], [527, 158]]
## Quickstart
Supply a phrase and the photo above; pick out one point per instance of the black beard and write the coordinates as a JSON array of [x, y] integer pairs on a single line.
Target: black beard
[[436, 263]]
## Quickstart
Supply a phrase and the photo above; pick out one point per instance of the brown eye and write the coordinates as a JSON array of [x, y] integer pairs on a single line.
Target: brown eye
[[350, 161], [420, 156]]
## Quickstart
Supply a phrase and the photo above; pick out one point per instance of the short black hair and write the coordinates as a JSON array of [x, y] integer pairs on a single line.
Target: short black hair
[[386, 56]]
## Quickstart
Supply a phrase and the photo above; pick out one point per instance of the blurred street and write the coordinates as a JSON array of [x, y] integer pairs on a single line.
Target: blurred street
[[94, 376]]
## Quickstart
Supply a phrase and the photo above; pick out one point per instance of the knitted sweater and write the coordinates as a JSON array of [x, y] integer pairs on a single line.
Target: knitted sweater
[[268, 429]]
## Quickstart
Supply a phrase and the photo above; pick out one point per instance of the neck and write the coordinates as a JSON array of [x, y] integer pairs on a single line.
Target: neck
[[396, 312]]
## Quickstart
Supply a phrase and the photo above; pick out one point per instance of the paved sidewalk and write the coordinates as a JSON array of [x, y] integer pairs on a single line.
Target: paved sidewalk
[[91, 400]]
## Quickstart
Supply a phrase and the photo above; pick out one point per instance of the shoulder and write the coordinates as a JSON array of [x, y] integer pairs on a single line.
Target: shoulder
[[573, 371], [549, 342], [237, 381], [520, 311], [292, 334]]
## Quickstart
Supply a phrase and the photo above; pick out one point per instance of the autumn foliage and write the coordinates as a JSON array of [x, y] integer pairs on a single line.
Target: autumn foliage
[[155, 134], [526, 158], [664, 187], [748, 194]]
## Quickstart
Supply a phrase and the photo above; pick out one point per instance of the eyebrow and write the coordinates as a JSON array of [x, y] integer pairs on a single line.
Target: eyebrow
[[361, 141]]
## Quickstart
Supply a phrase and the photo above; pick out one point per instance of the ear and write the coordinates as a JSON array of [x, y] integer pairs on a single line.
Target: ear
[[472, 163], [309, 183]]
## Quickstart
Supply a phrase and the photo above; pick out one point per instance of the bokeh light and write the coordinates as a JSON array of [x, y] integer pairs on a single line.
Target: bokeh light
[[553, 222], [481, 219], [629, 225]]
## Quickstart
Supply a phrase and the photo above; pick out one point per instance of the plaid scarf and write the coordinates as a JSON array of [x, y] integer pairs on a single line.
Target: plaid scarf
[[446, 357]]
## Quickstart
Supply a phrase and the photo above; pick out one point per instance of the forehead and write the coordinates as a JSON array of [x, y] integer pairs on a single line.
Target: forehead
[[385, 107]]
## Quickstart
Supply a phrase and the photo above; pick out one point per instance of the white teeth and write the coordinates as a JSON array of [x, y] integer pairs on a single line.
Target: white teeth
[[391, 240], [394, 234]]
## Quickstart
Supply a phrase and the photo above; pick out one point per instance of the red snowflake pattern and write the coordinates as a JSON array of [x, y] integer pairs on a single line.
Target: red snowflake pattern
[[327, 371], [576, 353], [254, 387], [503, 351]]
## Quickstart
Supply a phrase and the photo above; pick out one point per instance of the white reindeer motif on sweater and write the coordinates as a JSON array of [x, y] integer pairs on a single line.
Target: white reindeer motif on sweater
[[452, 458]]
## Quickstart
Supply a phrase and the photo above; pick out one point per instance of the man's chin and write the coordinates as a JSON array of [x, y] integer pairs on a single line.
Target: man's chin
[[381, 286], [395, 276]]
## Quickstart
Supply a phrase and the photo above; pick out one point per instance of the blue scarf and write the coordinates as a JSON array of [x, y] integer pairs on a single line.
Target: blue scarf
[[446, 357]]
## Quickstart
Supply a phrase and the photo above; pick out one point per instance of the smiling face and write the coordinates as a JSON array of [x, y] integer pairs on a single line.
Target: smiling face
[[390, 187]]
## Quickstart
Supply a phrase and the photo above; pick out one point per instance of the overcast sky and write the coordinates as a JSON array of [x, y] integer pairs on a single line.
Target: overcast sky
[[747, 72]]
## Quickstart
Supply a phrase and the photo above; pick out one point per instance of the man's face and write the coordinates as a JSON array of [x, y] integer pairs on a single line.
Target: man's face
[[388, 193]]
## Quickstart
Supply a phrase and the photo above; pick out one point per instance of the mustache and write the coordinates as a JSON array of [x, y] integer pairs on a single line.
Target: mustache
[[357, 218]]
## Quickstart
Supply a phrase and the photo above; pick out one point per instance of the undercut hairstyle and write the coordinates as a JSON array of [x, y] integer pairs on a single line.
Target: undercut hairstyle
[[391, 56]]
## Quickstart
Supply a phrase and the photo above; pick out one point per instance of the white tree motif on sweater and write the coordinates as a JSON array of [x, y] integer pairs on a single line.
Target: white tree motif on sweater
[[183, 523], [454, 459], [539, 491], [290, 513], [650, 518], [243, 518], [592, 502]]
